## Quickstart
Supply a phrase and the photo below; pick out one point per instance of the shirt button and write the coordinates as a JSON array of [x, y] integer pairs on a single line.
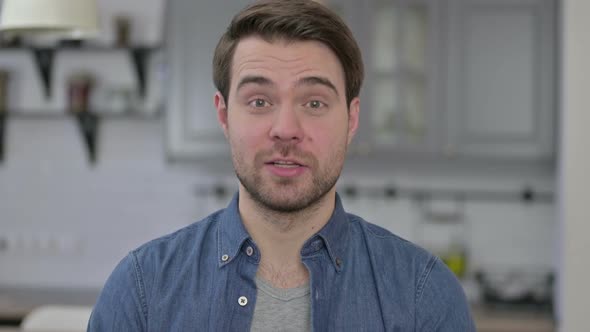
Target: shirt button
[[249, 251], [224, 258], [243, 301]]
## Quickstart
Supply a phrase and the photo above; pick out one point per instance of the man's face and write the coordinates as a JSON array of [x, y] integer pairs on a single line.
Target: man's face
[[287, 121]]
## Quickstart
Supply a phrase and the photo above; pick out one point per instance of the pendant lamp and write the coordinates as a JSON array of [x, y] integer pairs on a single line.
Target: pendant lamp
[[68, 19]]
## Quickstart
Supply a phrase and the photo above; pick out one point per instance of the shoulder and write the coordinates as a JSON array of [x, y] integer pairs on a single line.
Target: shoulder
[[434, 290], [169, 249], [402, 264], [389, 247], [125, 297], [165, 257], [441, 303], [184, 241], [160, 259]]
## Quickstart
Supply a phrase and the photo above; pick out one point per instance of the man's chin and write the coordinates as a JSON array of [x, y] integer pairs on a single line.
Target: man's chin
[[285, 206], [283, 195], [283, 199]]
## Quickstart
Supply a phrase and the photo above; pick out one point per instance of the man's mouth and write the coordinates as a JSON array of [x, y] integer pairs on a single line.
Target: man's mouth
[[284, 164]]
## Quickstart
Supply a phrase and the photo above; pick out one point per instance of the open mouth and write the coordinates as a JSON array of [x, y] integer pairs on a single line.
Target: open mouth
[[286, 168], [285, 164]]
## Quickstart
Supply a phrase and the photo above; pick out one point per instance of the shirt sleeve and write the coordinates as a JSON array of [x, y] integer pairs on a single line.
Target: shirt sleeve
[[441, 304], [121, 305]]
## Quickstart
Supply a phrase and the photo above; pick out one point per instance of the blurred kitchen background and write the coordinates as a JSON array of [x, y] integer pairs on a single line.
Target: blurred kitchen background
[[111, 142]]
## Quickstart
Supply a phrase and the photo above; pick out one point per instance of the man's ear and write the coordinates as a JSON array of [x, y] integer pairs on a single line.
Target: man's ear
[[353, 118], [221, 107]]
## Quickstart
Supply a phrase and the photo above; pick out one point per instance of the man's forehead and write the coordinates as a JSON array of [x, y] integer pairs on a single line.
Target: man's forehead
[[283, 42], [256, 56]]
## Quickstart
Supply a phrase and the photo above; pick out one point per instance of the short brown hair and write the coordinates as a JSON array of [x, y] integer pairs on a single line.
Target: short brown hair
[[292, 20]]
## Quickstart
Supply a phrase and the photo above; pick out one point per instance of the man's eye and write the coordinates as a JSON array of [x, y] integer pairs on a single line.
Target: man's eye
[[315, 104], [258, 103]]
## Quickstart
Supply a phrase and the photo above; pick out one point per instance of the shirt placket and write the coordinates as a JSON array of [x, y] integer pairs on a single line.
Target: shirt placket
[[237, 298]]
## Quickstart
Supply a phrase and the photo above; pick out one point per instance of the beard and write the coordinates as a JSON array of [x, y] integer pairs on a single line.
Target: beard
[[289, 195]]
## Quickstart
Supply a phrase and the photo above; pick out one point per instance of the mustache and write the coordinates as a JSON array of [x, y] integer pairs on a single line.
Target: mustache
[[285, 149]]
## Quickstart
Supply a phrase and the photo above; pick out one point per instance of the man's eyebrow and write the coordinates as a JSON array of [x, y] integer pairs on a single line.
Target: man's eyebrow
[[315, 80], [260, 80], [310, 80]]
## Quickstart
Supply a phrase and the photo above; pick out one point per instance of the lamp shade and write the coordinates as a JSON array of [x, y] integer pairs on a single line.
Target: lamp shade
[[64, 18]]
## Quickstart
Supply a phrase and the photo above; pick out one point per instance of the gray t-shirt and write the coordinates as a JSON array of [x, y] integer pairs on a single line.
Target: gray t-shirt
[[281, 310]]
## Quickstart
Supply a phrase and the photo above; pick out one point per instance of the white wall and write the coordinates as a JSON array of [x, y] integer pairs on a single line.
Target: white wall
[[67, 224], [575, 165]]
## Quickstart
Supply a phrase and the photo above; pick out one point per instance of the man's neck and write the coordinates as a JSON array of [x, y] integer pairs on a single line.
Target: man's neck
[[280, 237]]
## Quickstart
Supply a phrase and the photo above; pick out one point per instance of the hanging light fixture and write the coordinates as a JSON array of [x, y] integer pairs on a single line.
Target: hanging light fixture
[[67, 19]]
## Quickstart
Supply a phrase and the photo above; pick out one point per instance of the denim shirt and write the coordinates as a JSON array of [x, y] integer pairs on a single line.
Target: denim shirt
[[202, 278]]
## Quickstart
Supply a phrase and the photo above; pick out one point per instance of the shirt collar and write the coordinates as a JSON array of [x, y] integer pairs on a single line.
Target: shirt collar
[[232, 234], [334, 236]]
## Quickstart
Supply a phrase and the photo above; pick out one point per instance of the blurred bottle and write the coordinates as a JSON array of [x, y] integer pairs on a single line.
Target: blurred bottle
[[4, 81], [456, 258], [4, 78], [122, 31], [79, 92]]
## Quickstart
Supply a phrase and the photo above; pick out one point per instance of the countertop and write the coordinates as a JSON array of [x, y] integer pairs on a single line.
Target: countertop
[[15, 303], [503, 320]]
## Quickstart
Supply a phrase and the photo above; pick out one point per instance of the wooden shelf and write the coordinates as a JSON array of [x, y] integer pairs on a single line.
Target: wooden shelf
[[81, 48], [44, 57], [104, 115], [88, 123]]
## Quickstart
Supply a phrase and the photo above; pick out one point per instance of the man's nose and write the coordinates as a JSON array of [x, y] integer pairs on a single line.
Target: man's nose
[[286, 126]]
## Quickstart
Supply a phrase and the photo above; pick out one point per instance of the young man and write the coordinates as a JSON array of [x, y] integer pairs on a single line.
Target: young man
[[284, 255]]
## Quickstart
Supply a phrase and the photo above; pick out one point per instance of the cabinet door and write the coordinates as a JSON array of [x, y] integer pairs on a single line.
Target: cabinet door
[[193, 30], [501, 90], [400, 73], [399, 42], [401, 47]]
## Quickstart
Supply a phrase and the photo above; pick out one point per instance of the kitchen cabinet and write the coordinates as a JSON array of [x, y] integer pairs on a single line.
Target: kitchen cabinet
[[402, 44], [457, 78], [444, 78], [501, 78]]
